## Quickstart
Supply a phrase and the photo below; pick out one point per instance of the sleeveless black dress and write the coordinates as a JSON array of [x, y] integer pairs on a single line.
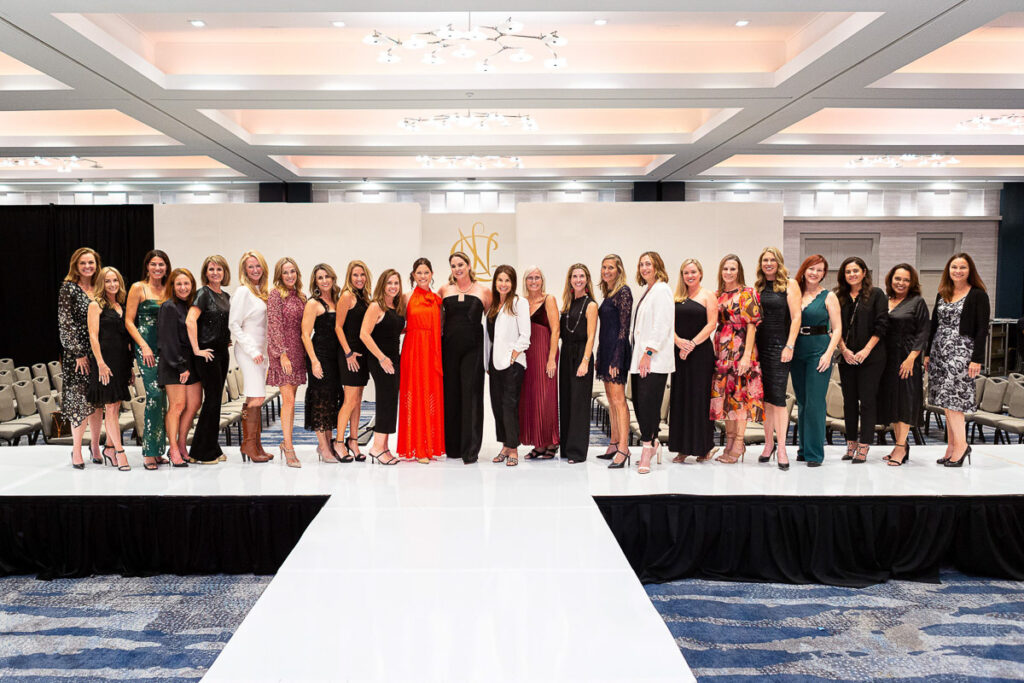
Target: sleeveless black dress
[[690, 429], [770, 341], [462, 363], [115, 345], [323, 396], [386, 335], [353, 323]]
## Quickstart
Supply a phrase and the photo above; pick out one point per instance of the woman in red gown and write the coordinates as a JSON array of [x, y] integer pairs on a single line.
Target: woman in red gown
[[421, 393]]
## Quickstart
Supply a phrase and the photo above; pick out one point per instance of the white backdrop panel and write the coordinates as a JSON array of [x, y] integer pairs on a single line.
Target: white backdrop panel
[[382, 235], [556, 235], [488, 238]]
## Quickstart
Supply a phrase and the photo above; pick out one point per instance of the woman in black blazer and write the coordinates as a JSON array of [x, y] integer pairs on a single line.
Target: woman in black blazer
[[865, 318], [956, 350]]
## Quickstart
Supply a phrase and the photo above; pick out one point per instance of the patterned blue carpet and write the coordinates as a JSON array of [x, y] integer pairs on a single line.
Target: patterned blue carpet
[[170, 629]]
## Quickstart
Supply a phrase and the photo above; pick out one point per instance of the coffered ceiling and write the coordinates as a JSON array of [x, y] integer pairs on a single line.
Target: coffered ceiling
[[398, 90]]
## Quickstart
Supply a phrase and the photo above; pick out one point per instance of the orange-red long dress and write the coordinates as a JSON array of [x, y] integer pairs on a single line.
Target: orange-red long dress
[[421, 393]]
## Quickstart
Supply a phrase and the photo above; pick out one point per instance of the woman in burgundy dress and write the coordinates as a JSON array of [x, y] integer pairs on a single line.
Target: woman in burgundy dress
[[285, 306], [538, 407]]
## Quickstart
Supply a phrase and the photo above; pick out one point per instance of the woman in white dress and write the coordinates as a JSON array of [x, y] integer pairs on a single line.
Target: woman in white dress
[[248, 324]]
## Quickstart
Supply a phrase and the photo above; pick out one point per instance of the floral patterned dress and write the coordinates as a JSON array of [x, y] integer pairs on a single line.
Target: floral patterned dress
[[735, 396]]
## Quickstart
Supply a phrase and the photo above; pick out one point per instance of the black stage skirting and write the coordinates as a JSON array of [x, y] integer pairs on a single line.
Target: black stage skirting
[[839, 541], [67, 536]]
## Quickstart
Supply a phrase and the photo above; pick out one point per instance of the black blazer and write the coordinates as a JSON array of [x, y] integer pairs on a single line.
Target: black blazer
[[973, 321], [871, 319]]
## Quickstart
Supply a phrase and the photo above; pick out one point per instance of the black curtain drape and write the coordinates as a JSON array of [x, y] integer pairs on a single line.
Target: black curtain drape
[[70, 536], [841, 541], [36, 244]]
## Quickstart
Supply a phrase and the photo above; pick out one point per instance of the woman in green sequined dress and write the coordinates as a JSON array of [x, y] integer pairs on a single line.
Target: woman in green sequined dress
[[141, 309]]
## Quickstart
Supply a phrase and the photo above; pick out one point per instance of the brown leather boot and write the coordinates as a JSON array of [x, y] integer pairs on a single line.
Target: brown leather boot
[[250, 435], [264, 455]]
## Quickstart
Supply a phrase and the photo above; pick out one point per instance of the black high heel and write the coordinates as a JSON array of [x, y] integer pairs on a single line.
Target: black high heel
[[97, 461], [78, 465], [768, 458], [359, 457], [960, 463], [862, 454], [942, 461], [377, 458], [125, 467], [342, 458], [851, 448], [782, 465], [619, 465], [609, 456], [906, 455]]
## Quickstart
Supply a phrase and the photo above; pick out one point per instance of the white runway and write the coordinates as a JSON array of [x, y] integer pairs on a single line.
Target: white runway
[[447, 572]]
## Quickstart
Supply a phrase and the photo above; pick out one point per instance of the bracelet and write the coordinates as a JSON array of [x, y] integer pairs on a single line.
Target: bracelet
[[790, 347], [649, 352], [349, 354]]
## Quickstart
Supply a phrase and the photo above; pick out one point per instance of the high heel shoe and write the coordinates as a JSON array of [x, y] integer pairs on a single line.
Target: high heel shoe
[[500, 457], [782, 465], [851, 450], [97, 460], [960, 463], [376, 458], [609, 456], [619, 465], [657, 452], [107, 460], [906, 455], [177, 464], [342, 458], [942, 461], [771, 454], [359, 457], [77, 465], [862, 454], [288, 456], [330, 458], [125, 467]]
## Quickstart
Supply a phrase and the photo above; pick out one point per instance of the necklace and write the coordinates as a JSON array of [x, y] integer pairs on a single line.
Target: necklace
[[464, 291], [579, 317]]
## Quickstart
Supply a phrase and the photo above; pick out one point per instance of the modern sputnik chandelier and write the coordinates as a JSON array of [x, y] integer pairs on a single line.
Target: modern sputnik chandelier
[[470, 119], [60, 164], [901, 160], [504, 38]]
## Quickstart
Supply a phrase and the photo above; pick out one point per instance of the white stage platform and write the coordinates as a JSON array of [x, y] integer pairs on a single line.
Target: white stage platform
[[447, 572]]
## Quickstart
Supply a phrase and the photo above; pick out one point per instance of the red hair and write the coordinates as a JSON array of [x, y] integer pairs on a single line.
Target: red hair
[[812, 260]]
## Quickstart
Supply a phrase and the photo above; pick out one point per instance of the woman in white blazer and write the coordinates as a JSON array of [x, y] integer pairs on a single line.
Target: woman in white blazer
[[248, 324], [652, 344], [508, 337]]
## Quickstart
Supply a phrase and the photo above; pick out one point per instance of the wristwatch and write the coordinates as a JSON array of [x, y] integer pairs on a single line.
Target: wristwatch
[[789, 346]]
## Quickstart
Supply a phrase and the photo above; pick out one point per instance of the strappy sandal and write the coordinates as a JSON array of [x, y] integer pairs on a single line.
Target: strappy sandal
[[548, 453], [862, 455], [893, 462], [534, 454], [377, 458], [851, 450], [707, 456], [512, 461], [125, 467], [342, 458], [359, 457], [500, 457]]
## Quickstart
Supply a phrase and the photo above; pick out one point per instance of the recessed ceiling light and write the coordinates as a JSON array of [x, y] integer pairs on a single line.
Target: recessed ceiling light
[[338, 24], [742, 22], [197, 23], [600, 22]]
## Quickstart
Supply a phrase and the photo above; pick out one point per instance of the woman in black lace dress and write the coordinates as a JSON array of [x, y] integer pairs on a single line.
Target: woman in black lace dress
[[323, 395], [72, 321], [613, 352]]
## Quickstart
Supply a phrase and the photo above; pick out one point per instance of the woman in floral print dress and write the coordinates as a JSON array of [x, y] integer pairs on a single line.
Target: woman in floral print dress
[[736, 391]]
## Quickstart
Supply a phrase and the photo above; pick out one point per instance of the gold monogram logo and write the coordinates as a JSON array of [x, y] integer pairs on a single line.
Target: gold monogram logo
[[478, 245]]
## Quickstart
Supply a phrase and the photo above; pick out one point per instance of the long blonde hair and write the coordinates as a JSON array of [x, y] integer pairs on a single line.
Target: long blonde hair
[[469, 266], [279, 279], [259, 289], [380, 295], [567, 293], [367, 290], [620, 280], [99, 293], [781, 275], [682, 291]]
